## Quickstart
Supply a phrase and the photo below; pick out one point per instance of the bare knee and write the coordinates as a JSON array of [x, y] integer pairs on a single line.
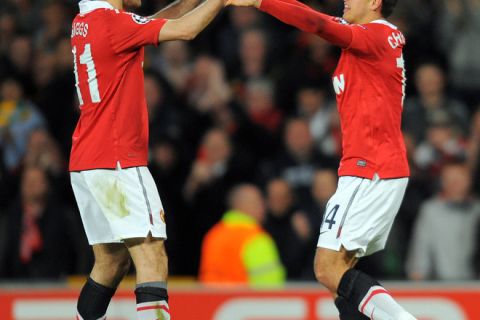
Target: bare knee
[[330, 266], [323, 272], [116, 267], [150, 259], [110, 267]]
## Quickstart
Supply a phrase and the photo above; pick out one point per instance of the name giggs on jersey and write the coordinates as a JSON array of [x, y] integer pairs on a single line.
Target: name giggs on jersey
[[79, 29], [395, 40]]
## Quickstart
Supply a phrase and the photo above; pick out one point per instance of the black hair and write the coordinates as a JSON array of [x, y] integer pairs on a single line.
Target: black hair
[[387, 7]]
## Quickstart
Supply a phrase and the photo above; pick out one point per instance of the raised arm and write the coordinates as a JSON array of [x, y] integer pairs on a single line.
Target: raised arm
[[190, 25], [176, 9], [303, 17]]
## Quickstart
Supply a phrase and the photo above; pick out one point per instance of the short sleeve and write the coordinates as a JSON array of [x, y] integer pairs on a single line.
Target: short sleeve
[[128, 31]]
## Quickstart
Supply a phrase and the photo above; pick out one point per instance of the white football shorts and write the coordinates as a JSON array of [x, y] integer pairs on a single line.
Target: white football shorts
[[118, 204], [360, 214]]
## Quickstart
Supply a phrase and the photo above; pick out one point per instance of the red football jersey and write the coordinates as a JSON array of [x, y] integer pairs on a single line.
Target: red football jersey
[[107, 46], [370, 86]]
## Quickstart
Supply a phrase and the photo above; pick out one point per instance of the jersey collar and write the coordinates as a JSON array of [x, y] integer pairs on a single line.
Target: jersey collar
[[385, 22], [87, 6]]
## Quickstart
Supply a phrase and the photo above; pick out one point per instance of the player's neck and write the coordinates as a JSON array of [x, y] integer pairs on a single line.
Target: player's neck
[[369, 18], [117, 4]]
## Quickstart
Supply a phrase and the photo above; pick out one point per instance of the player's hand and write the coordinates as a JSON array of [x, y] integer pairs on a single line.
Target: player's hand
[[244, 3]]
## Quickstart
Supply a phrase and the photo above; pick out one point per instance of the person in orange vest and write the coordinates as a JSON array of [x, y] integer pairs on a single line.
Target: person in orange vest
[[237, 250]]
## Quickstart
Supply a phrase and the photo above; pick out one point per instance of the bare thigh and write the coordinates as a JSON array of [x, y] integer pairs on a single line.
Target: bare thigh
[[150, 258]]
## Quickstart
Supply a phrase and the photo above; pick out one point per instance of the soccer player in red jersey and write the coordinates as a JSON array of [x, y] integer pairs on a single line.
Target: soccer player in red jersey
[[117, 197], [370, 86]]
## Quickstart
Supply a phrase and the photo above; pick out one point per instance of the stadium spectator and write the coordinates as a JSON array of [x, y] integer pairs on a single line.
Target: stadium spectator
[[299, 159], [174, 63], [313, 105], [260, 105], [254, 137], [165, 119], [208, 89], [54, 23], [291, 230], [418, 20], [454, 214], [43, 238], [474, 150], [442, 145], [43, 152], [54, 89], [241, 19], [458, 34], [18, 62], [169, 170], [253, 53], [323, 187], [311, 63], [8, 185], [216, 169], [7, 30], [18, 118], [432, 102], [476, 257], [237, 250]]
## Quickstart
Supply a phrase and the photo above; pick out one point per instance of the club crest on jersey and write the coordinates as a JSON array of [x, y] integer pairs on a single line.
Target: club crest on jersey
[[139, 19], [340, 20]]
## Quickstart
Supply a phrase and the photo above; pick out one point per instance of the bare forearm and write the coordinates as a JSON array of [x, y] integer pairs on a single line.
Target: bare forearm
[[176, 9], [190, 25]]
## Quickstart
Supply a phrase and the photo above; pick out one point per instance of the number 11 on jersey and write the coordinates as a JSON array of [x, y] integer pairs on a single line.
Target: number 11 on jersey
[[401, 65], [86, 59]]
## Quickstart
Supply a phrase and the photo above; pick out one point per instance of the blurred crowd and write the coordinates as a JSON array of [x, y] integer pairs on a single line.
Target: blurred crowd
[[248, 101]]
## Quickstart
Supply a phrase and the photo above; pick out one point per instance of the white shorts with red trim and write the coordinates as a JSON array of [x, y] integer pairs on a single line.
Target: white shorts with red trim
[[360, 215], [118, 204]]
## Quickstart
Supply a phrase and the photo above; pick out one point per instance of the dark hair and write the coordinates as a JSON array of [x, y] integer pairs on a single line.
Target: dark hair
[[387, 7]]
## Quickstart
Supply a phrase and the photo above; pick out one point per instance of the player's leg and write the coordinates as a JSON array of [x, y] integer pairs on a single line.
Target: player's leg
[[151, 263], [358, 296], [112, 262], [143, 230], [369, 297], [125, 204], [329, 268], [357, 223]]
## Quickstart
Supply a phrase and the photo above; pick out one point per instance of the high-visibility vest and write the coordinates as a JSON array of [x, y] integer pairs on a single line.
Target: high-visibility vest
[[238, 251]]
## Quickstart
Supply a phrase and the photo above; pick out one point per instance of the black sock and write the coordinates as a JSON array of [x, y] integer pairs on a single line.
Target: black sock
[[150, 294], [94, 300], [348, 311], [354, 286]]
